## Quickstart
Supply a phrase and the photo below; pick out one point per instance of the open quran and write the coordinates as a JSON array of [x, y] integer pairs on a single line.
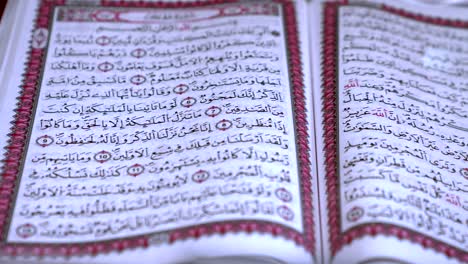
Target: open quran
[[230, 131]]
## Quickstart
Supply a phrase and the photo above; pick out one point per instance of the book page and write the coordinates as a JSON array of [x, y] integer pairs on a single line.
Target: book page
[[395, 113], [147, 123]]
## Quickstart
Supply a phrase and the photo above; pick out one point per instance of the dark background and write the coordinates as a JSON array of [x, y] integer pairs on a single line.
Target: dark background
[[2, 6]]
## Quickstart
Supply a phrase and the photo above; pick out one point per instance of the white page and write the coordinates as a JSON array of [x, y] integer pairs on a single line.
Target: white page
[[369, 248], [246, 248]]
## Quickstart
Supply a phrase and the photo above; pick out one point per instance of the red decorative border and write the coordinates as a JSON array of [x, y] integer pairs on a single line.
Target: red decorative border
[[21, 124], [337, 238], [89, 14]]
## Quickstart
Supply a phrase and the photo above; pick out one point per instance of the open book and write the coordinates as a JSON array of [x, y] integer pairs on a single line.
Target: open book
[[233, 132]]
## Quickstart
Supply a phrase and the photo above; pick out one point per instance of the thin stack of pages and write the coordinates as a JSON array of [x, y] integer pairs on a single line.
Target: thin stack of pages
[[230, 131]]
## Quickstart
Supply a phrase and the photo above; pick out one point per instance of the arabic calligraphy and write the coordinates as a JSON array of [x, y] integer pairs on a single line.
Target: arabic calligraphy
[[403, 93], [137, 132]]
